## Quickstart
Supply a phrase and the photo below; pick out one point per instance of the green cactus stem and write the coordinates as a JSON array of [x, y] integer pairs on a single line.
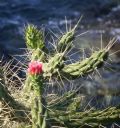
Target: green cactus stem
[[37, 54], [38, 110], [61, 103], [78, 69], [90, 118], [54, 64], [65, 42], [34, 38], [35, 42]]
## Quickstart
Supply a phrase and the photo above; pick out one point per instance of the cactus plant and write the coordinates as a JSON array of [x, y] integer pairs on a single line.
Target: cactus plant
[[63, 111]]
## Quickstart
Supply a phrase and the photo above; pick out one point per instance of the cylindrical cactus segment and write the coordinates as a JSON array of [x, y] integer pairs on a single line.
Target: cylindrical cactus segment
[[34, 37], [66, 101], [54, 64], [91, 118], [38, 103], [86, 66], [38, 110], [65, 42], [37, 54]]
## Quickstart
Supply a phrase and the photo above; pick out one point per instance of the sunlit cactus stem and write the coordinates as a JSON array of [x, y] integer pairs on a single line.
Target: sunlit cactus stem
[[65, 42], [34, 37], [88, 65], [38, 110], [35, 43], [37, 107], [87, 119], [54, 64]]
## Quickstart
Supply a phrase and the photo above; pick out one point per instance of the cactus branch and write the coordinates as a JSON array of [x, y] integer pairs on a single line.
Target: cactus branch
[[78, 69], [91, 118], [65, 42]]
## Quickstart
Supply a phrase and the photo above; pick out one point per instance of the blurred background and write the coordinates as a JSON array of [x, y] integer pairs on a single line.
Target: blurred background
[[99, 17]]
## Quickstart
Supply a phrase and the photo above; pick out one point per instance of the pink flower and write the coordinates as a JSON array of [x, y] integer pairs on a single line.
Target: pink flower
[[35, 68]]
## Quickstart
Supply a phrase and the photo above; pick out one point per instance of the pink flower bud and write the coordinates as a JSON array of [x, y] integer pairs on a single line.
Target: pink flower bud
[[35, 68]]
